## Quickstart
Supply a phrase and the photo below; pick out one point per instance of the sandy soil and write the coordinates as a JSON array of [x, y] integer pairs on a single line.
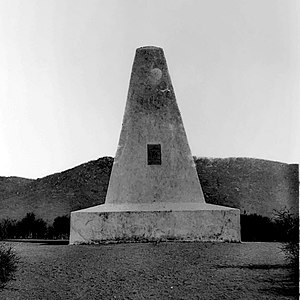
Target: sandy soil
[[149, 271]]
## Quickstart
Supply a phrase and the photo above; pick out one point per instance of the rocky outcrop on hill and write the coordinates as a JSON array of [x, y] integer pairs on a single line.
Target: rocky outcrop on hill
[[252, 185]]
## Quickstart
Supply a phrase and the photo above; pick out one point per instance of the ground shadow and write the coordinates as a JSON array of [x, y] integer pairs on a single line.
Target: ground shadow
[[254, 266], [39, 241]]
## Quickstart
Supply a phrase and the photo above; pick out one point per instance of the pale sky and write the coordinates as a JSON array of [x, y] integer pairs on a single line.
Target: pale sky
[[65, 67]]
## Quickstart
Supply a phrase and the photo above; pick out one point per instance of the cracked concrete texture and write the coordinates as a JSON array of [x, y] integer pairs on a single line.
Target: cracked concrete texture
[[185, 225]]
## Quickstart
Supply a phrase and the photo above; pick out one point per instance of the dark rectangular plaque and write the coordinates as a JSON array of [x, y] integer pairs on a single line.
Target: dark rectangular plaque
[[154, 154]]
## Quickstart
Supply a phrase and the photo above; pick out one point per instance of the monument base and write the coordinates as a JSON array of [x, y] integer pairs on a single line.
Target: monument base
[[155, 222]]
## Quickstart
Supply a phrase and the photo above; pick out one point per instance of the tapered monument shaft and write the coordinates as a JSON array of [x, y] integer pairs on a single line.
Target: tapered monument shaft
[[153, 162]]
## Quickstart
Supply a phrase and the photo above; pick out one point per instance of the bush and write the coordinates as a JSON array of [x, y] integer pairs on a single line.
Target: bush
[[8, 264], [290, 227]]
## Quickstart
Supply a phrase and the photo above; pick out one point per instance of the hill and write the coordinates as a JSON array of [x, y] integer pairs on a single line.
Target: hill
[[10, 185], [253, 185], [57, 194]]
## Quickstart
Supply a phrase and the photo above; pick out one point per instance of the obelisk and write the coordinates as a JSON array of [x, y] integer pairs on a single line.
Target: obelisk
[[154, 192], [153, 162]]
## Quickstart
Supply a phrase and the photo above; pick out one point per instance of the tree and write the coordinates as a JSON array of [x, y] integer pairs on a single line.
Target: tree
[[61, 226], [26, 225], [39, 229]]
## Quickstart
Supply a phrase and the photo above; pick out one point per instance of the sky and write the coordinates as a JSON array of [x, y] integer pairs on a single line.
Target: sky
[[65, 67]]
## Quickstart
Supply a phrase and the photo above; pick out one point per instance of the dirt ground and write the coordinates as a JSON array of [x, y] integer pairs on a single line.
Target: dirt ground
[[149, 271]]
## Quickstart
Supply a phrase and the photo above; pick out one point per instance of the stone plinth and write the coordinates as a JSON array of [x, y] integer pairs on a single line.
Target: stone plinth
[[150, 222]]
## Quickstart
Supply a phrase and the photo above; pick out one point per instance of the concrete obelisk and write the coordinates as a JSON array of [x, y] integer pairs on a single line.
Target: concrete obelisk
[[153, 162], [154, 191]]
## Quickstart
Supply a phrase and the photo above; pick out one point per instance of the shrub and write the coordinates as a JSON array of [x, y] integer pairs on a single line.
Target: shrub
[[289, 225], [8, 264]]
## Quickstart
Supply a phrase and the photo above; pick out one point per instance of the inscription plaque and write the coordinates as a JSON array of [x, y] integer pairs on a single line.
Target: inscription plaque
[[154, 154]]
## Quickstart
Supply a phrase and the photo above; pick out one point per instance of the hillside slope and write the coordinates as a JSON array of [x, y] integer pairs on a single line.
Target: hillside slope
[[252, 185], [60, 193], [11, 185]]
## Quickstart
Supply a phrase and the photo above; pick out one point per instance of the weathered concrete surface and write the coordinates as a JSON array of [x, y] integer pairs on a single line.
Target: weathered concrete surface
[[152, 117], [159, 221], [154, 192]]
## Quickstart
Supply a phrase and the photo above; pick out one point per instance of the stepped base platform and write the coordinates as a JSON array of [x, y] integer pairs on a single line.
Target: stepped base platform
[[111, 223]]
